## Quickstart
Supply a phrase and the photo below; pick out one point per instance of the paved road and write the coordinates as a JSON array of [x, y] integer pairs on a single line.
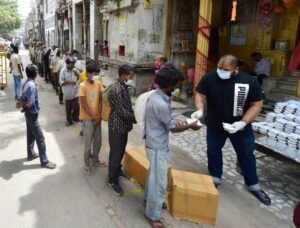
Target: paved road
[[66, 197]]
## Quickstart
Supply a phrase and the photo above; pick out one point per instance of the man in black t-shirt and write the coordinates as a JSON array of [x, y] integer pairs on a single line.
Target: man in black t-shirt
[[234, 100]]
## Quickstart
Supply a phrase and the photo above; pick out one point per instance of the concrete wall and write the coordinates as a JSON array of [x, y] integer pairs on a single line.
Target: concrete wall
[[140, 30], [96, 25], [151, 30], [123, 31], [77, 14]]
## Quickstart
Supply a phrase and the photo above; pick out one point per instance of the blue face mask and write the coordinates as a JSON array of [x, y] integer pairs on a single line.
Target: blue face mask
[[223, 74], [75, 58]]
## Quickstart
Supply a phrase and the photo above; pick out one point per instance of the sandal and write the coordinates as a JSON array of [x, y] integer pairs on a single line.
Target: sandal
[[32, 157], [156, 224], [49, 165], [100, 164]]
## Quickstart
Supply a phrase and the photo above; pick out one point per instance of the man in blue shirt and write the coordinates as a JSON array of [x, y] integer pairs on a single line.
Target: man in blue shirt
[[30, 106], [159, 122]]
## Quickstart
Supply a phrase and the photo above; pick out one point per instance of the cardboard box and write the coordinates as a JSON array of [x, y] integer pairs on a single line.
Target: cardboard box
[[193, 197], [136, 164]]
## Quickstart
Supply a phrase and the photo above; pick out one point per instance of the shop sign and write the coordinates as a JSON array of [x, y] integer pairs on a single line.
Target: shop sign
[[148, 4]]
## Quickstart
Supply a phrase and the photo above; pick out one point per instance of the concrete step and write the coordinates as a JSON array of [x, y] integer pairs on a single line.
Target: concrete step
[[284, 92], [289, 79], [291, 86]]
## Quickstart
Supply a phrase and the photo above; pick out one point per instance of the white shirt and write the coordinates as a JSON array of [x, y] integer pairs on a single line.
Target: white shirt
[[263, 67], [15, 60], [57, 64]]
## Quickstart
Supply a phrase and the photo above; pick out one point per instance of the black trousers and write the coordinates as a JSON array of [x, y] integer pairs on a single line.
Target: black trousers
[[260, 78], [60, 93], [117, 143], [72, 110], [47, 71]]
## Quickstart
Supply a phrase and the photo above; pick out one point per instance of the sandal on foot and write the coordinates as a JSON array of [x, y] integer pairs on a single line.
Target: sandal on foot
[[32, 157], [99, 164], [156, 224], [49, 165]]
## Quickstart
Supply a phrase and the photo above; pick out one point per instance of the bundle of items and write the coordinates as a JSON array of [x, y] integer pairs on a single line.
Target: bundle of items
[[294, 141], [280, 107], [282, 125]]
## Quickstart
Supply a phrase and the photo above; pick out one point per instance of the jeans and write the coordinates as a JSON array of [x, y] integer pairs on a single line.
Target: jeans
[[117, 143], [157, 181], [92, 141], [244, 148], [260, 78], [47, 72], [18, 83], [72, 110], [35, 133]]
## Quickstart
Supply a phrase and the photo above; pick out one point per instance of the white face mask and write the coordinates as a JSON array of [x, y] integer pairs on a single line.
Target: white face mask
[[130, 83], [223, 74], [95, 77]]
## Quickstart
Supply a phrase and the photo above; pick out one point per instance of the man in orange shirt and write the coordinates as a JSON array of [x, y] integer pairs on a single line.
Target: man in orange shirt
[[90, 100]]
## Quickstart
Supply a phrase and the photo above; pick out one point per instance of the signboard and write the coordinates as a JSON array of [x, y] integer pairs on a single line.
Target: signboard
[[148, 4]]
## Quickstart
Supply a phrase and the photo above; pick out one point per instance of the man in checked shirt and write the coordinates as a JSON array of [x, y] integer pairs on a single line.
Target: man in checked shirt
[[121, 120]]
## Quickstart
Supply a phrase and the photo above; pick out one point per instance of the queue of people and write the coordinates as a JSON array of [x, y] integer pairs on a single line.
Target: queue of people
[[234, 99]]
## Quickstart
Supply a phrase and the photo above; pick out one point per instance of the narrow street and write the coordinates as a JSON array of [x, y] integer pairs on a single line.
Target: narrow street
[[66, 197]]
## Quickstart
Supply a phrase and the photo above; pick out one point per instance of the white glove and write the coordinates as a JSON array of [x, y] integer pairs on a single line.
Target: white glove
[[235, 127], [197, 115]]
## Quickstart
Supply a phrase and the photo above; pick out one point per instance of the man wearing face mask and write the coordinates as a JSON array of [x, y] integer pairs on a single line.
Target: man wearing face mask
[[68, 83], [234, 100], [90, 100], [158, 123]]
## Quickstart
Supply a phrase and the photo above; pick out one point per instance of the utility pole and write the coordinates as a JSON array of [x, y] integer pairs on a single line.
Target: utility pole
[[84, 31]]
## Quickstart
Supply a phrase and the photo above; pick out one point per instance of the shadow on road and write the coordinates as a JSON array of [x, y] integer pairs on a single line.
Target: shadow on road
[[9, 168]]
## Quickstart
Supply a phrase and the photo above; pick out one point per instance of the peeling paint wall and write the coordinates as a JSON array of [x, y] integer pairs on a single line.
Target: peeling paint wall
[[123, 31], [140, 30], [151, 33]]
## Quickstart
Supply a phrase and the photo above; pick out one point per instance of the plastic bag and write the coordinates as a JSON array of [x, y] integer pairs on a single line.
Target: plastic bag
[[105, 103], [140, 107]]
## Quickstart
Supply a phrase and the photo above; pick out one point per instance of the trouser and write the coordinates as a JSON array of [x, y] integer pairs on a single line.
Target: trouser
[[47, 72], [260, 78], [157, 181], [55, 81], [41, 70], [72, 110], [17, 83], [117, 143], [35, 133], [92, 141], [244, 148], [61, 94]]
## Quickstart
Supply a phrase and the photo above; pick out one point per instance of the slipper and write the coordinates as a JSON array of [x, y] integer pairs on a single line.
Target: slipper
[[262, 197], [32, 157], [49, 165], [156, 224], [100, 164]]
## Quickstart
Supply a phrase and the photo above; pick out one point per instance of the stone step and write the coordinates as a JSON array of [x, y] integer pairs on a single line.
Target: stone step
[[291, 86], [285, 92], [289, 79]]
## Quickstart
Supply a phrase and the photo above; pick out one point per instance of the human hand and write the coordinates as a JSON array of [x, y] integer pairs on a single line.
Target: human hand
[[180, 122], [197, 115], [195, 126], [235, 127]]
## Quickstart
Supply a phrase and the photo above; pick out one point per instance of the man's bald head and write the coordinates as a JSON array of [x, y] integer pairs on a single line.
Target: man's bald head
[[228, 61]]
